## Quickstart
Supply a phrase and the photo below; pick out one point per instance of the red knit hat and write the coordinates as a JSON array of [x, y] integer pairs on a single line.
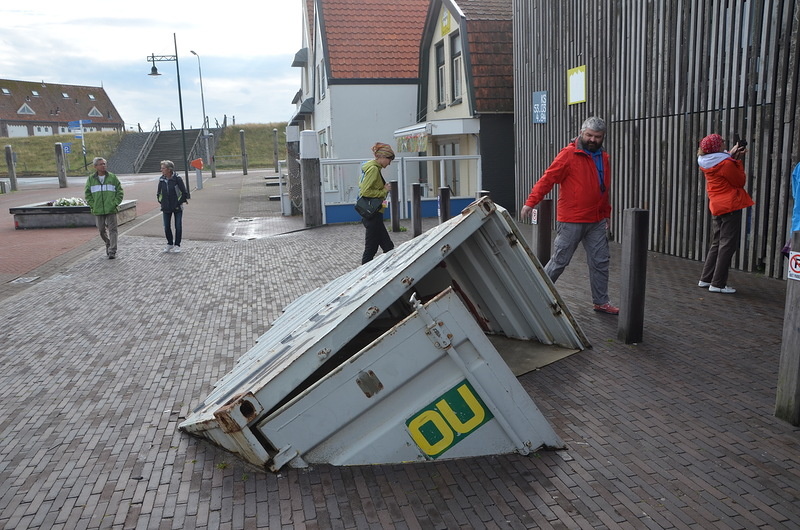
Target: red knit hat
[[712, 143]]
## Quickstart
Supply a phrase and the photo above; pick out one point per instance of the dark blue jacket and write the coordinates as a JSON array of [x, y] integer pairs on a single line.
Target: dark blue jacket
[[171, 193]]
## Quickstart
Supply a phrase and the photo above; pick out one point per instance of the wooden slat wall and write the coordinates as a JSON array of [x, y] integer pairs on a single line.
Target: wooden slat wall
[[663, 74]]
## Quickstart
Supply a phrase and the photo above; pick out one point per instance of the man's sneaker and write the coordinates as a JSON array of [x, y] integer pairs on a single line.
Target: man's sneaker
[[724, 290], [701, 283], [606, 308], [168, 248], [112, 256], [176, 249]]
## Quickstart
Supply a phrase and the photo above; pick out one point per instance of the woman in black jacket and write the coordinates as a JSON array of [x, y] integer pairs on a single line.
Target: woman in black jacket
[[172, 195]]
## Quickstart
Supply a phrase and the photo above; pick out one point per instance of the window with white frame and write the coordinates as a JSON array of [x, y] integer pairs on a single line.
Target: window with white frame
[[327, 172], [441, 96], [456, 66], [322, 81]]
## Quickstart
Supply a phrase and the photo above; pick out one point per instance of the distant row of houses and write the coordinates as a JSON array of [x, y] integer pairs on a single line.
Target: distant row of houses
[[30, 108]]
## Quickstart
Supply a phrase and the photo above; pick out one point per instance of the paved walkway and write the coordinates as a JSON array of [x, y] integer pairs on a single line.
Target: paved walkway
[[102, 360]]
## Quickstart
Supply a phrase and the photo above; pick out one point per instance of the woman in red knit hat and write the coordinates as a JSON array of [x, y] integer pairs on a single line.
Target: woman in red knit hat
[[725, 180]]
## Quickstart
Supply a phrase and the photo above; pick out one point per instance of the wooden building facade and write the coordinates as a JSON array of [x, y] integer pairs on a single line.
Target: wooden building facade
[[663, 74]]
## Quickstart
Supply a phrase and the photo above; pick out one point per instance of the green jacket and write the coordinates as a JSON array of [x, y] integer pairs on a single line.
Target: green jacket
[[372, 183], [104, 198]]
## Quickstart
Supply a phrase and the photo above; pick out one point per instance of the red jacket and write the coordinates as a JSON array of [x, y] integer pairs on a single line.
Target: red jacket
[[725, 186], [579, 197]]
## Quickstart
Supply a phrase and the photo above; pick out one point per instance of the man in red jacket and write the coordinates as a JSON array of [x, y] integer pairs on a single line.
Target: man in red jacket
[[583, 172]]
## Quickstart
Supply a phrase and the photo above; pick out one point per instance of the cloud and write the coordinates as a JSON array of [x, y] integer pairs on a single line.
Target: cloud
[[245, 49]]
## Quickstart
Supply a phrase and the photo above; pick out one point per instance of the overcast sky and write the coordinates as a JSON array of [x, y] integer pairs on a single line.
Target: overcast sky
[[246, 50]]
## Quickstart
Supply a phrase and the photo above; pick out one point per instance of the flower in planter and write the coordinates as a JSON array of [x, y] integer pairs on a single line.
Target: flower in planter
[[68, 201]]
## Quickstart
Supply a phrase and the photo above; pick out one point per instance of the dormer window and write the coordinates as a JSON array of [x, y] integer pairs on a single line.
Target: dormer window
[[25, 109], [6, 92]]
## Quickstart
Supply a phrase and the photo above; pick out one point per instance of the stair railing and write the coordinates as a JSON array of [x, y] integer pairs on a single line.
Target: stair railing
[[148, 145]]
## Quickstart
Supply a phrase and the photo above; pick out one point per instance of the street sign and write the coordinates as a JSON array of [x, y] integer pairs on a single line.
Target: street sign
[[794, 266], [67, 148], [78, 123]]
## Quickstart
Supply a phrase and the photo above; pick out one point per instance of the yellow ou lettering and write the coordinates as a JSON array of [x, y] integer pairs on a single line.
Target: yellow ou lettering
[[478, 414], [441, 425]]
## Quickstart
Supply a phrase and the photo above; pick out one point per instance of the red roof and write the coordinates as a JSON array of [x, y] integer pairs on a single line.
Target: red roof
[[53, 103], [373, 39]]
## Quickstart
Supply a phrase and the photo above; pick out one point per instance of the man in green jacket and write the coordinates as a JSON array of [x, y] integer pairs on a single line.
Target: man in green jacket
[[104, 194]]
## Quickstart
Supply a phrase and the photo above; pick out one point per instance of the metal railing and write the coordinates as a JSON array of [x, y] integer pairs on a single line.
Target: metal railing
[[148, 144]]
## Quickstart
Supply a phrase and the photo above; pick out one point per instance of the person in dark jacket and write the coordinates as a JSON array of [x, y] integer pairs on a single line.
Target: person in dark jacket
[[172, 196], [103, 193]]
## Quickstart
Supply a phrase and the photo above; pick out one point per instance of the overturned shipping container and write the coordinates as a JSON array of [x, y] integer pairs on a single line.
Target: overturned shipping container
[[393, 361]]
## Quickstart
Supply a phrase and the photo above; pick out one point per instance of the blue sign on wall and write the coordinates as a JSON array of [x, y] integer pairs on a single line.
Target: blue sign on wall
[[540, 107]]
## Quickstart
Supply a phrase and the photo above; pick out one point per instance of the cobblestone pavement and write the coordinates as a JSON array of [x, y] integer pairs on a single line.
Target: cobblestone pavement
[[102, 360]]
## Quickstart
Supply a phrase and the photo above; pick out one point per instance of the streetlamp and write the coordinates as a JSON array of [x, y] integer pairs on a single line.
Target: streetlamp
[[154, 71], [205, 118], [202, 97]]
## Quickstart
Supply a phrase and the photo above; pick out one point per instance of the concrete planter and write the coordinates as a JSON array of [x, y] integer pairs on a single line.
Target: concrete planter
[[43, 216]]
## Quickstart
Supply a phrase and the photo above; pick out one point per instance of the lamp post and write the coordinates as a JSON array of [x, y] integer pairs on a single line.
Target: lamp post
[[202, 96], [205, 118], [154, 71]]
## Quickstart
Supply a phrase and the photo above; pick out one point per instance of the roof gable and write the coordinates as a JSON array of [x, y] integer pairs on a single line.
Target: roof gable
[[372, 39], [487, 32]]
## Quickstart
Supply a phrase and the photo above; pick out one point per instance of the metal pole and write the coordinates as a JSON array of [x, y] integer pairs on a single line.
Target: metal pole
[[183, 128], [202, 96], [787, 400], [212, 159], [244, 151], [275, 152]]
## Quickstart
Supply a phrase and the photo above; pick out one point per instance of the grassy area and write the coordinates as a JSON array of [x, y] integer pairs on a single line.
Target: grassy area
[[35, 155], [259, 141]]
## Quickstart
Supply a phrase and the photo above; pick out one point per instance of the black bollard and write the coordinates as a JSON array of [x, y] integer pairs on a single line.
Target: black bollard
[[394, 208], [416, 208], [444, 204], [543, 230], [635, 223]]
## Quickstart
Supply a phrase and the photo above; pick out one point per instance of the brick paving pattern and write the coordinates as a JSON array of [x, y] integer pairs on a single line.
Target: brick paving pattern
[[103, 359]]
